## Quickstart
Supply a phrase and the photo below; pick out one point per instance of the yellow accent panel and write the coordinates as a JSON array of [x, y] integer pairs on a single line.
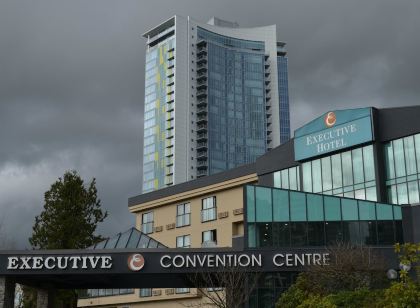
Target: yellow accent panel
[[160, 56], [156, 183], [157, 103], [156, 156]]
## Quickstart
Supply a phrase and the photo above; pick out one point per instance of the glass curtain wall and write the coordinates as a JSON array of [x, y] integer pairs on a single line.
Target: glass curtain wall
[[287, 178], [284, 218], [236, 101], [348, 174], [283, 86], [155, 107], [402, 165]]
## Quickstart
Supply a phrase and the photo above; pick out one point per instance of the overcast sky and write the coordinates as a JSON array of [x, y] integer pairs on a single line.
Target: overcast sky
[[72, 83]]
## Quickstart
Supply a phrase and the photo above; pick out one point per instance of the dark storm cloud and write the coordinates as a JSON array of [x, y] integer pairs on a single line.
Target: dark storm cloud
[[72, 75]]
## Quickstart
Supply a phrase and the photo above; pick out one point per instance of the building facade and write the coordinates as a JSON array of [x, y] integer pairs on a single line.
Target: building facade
[[343, 182], [216, 97]]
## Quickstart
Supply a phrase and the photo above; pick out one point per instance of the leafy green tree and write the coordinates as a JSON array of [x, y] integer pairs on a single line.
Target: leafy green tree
[[70, 216], [72, 212]]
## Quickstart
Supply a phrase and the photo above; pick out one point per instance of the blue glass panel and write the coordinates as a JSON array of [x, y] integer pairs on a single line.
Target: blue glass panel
[[332, 208], [384, 211], [297, 206], [349, 208], [263, 205], [280, 205], [315, 208], [250, 203], [367, 210]]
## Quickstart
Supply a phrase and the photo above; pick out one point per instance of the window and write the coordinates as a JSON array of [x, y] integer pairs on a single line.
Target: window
[[209, 236], [208, 209], [147, 223], [183, 215], [182, 290], [183, 241], [145, 292]]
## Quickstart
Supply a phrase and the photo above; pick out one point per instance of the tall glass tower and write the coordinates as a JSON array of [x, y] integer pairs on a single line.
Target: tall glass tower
[[216, 97]]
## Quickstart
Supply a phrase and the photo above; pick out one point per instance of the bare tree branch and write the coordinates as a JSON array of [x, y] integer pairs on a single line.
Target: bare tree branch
[[227, 287]]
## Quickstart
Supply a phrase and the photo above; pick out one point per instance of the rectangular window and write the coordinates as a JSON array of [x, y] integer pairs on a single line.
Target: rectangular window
[[183, 215], [147, 223], [182, 290], [145, 292], [209, 237], [208, 209], [183, 241]]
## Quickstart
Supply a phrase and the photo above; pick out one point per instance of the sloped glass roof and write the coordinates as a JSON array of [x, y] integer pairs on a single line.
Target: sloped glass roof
[[131, 238]]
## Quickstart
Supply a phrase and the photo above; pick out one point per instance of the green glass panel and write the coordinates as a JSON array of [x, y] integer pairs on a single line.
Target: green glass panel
[[371, 194], [417, 146], [250, 203], [251, 235], [389, 161], [326, 173], [292, 178], [397, 212], [392, 194], [367, 210], [316, 176], [413, 192], [315, 207], [307, 177], [285, 179], [399, 159], [384, 211], [336, 171], [368, 163], [349, 208], [264, 211], [277, 179], [297, 206], [357, 166], [332, 208], [410, 155], [280, 205], [347, 168], [402, 193]]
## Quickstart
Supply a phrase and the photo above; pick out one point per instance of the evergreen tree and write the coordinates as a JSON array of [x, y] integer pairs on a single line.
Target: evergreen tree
[[69, 221], [70, 216]]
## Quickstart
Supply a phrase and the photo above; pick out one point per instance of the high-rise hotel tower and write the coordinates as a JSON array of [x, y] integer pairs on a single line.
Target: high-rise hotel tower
[[216, 97]]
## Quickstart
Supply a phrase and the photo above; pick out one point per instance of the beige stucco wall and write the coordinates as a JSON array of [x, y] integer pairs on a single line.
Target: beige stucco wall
[[229, 200]]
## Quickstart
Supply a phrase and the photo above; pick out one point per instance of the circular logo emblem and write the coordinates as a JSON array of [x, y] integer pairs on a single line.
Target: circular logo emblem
[[330, 119], [135, 262]]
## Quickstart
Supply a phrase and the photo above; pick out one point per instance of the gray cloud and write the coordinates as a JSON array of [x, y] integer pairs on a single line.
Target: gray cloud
[[72, 75]]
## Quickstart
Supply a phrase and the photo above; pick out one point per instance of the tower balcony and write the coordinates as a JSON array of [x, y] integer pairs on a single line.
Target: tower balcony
[[201, 173], [202, 110], [201, 128], [202, 155], [201, 94], [202, 137], [202, 146]]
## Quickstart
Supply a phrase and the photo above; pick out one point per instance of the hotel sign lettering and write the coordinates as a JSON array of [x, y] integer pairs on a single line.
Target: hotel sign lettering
[[333, 131], [159, 263]]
